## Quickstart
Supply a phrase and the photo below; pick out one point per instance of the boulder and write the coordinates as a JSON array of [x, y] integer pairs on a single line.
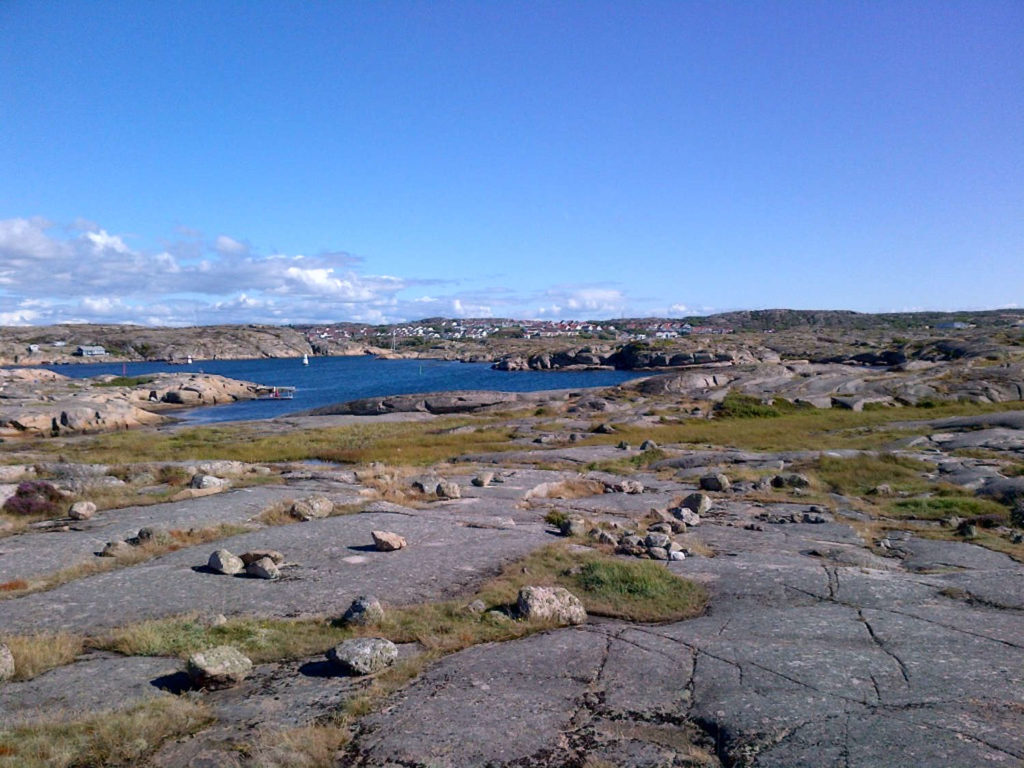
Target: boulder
[[15, 473], [658, 553], [6, 663], [311, 508], [427, 485], [386, 541], [573, 526], [448, 489], [208, 482], [264, 568], [220, 667], [716, 481], [648, 445], [258, 554], [555, 604], [483, 479], [116, 548], [631, 487], [791, 480], [659, 540], [365, 609], [224, 562], [696, 502], [686, 516], [602, 537], [363, 655], [82, 510]]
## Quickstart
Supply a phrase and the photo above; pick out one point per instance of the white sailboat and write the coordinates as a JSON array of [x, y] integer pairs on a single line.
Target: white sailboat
[[305, 359]]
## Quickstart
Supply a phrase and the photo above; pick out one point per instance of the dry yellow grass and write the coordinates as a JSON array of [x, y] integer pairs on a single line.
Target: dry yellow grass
[[115, 738], [39, 652]]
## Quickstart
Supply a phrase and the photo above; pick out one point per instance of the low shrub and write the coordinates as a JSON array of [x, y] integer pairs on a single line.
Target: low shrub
[[34, 498]]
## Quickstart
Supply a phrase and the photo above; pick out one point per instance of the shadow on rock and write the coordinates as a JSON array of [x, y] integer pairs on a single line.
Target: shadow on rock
[[176, 683], [320, 669]]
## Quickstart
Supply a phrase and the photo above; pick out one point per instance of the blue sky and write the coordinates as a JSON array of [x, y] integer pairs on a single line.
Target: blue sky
[[286, 162]]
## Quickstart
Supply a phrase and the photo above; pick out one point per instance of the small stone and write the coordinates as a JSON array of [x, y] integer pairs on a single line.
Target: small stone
[[604, 429], [116, 548], [6, 663], [448, 489], [792, 480], [363, 655], [660, 528], [477, 606], [602, 537], [677, 555], [657, 540], [426, 485], [881, 490], [365, 609], [677, 526], [550, 604], [312, 508], [82, 510], [648, 445], [573, 526], [631, 487], [224, 562], [686, 515], [658, 515], [386, 541], [205, 482], [220, 667], [658, 553], [715, 482], [697, 502], [264, 568], [483, 479], [257, 554], [623, 445], [814, 518]]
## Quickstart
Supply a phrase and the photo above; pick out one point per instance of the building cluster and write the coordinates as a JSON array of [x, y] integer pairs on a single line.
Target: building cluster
[[439, 329]]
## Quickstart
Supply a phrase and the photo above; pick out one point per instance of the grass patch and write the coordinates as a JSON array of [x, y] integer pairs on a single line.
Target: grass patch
[[122, 737], [803, 429], [657, 594], [312, 746], [413, 442], [940, 507], [860, 474], [736, 405], [35, 654], [126, 381]]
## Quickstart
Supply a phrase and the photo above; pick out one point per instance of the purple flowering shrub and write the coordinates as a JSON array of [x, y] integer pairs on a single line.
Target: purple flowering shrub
[[35, 498]]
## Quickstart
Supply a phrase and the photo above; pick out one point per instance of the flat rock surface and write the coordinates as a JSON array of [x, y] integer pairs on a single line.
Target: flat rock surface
[[95, 682], [33, 554], [327, 564], [797, 663]]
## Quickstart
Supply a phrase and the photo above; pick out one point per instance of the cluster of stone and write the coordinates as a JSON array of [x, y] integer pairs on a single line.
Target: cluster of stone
[[257, 563], [440, 487]]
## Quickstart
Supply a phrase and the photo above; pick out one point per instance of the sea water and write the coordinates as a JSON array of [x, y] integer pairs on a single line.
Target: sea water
[[328, 380]]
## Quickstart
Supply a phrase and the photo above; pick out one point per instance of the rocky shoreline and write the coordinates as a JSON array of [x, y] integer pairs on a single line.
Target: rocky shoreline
[[37, 402]]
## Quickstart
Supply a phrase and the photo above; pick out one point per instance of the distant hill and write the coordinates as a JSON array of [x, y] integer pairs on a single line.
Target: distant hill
[[787, 319]]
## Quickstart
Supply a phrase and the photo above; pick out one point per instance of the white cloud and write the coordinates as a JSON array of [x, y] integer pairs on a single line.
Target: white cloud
[[228, 245], [584, 302]]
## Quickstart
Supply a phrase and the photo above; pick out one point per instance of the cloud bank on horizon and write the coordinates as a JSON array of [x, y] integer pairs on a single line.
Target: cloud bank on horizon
[[80, 273]]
